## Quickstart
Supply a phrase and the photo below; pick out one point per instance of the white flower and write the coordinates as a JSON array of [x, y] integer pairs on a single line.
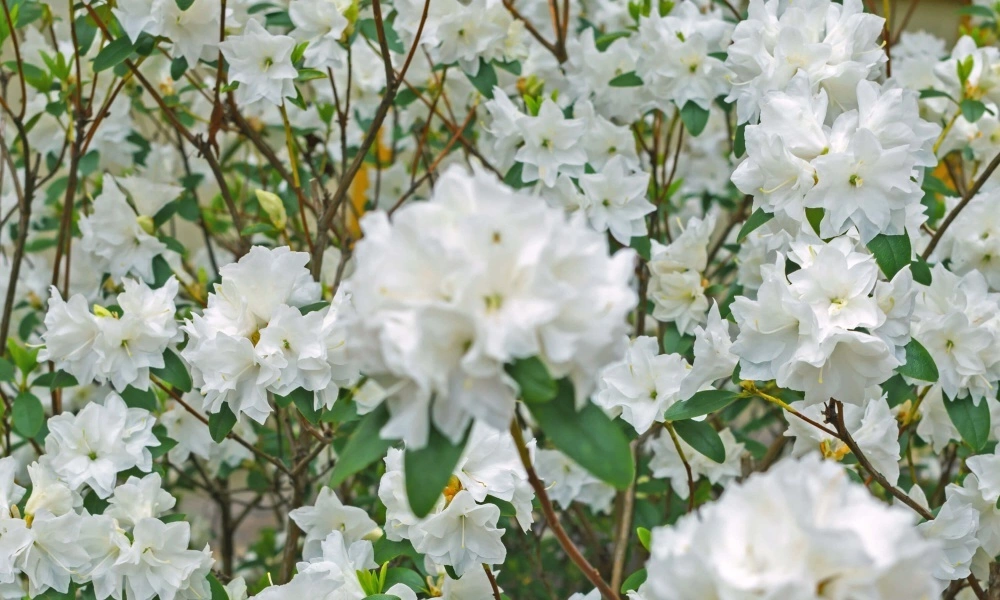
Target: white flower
[[676, 285], [463, 535], [115, 235], [327, 515], [800, 527], [713, 358], [568, 482], [667, 463], [234, 359], [320, 23], [872, 426], [956, 320], [643, 385], [158, 561], [331, 576], [139, 499], [955, 527], [617, 200], [262, 64], [97, 443], [477, 277], [551, 144]]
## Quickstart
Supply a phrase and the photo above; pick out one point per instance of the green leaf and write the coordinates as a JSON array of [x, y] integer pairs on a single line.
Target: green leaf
[[363, 447], [428, 470], [629, 79], [28, 415], [921, 271], [892, 252], [173, 372], [740, 141], [178, 67], [382, 597], [485, 79], [758, 218], [645, 537], [932, 93], [6, 370], [218, 590], [407, 577], [607, 39], [532, 376], [24, 357], [587, 436], [54, 380], [513, 67], [308, 308], [815, 217], [977, 11], [700, 404], [633, 582], [221, 423], [919, 363], [700, 436], [971, 421], [642, 246], [513, 176], [694, 117], [972, 110], [305, 402], [114, 53]]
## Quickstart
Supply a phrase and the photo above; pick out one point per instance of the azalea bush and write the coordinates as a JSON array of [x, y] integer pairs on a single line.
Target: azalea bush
[[485, 299]]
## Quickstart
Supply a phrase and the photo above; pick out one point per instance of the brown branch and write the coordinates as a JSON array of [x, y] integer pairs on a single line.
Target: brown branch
[[567, 544], [493, 581], [966, 199]]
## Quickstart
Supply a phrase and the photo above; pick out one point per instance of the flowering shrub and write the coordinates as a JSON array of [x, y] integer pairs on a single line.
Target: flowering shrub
[[484, 299]]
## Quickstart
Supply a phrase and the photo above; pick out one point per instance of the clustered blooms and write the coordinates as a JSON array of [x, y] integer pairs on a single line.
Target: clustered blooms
[[257, 336], [732, 269], [799, 528], [449, 290], [107, 346]]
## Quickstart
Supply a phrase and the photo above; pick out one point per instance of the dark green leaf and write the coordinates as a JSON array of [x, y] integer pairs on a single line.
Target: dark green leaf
[[758, 218], [364, 446], [533, 378], [587, 436], [485, 79], [28, 415], [700, 404], [919, 363], [112, 54], [892, 252], [178, 67], [740, 141], [932, 93], [221, 423], [629, 79], [700, 436], [815, 217], [407, 577], [694, 117], [218, 590], [308, 308], [173, 372], [971, 421], [54, 380], [642, 246], [428, 470], [921, 271]]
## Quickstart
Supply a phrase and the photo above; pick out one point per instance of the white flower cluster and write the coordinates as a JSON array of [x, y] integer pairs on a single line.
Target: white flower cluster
[[253, 339], [801, 530], [828, 328], [450, 290], [461, 530], [125, 552], [117, 347]]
